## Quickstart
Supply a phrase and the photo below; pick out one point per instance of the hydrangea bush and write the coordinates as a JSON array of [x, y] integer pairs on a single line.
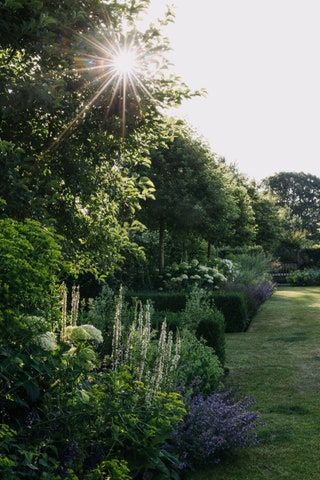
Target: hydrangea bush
[[187, 275]]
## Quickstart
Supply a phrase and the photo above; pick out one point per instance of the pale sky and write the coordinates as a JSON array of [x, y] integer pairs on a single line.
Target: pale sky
[[259, 61]]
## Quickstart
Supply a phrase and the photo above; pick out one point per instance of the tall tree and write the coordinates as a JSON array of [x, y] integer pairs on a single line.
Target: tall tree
[[300, 194], [192, 192], [64, 159]]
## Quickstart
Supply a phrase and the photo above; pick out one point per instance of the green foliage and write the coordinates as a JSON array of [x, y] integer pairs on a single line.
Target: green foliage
[[65, 417], [61, 163], [251, 269], [299, 193], [304, 278], [161, 301], [233, 307], [192, 188], [310, 256], [199, 369], [268, 219], [211, 327], [231, 252], [205, 321], [30, 264], [110, 469]]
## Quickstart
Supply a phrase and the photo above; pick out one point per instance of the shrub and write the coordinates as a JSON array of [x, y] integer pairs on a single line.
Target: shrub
[[204, 320], [212, 328], [30, 262], [214, 425], [307, 277], [185, 275], [252, 269], [199, 369], [234, 309]]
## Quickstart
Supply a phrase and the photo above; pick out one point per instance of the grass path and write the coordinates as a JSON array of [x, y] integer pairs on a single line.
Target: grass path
[[278, 363]]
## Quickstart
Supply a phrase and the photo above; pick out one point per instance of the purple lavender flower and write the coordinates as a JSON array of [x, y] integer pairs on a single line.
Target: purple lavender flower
[[213, 425]]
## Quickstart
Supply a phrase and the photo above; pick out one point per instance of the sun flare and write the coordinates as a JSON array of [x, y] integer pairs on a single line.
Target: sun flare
[[125, 62], [117, 68]]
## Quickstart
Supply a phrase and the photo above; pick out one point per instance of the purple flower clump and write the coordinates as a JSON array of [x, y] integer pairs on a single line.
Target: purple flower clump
[[213, 425], [262, 291]]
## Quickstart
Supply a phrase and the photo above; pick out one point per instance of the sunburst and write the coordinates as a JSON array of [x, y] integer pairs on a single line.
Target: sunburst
[[115, 65]]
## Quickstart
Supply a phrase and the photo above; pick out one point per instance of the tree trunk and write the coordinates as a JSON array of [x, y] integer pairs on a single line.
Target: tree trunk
[[209, 250], [162, 227]]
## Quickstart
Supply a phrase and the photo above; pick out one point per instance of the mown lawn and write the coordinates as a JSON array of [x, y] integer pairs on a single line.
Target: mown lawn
[[278, 363]]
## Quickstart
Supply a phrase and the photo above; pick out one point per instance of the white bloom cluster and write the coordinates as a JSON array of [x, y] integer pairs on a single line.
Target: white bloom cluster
[[47, 341], [93, 332], [155, 366]]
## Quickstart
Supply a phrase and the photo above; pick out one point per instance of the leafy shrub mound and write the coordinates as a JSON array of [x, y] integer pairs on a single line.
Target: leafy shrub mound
[[212, 426], [205, 321], [30, 262], [309, 277], [199, 369]]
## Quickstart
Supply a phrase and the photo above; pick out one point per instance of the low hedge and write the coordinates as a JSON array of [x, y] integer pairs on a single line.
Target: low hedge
[[171, 302], [233, 305], [309, 277], [211, 327]]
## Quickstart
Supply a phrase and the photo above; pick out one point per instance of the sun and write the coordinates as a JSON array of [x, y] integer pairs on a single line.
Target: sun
[[117, 66], [125, 62]]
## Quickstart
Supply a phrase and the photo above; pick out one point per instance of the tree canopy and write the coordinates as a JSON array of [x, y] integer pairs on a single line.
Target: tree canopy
[[63, 159], [300, 194]]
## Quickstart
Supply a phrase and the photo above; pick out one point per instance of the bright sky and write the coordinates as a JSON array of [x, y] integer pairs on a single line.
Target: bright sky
[[259, 61]]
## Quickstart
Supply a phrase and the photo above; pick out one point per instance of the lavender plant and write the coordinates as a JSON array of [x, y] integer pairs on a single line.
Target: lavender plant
[[212, 426]]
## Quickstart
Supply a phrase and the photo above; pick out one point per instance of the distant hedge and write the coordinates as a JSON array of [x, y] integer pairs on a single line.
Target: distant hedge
[[304, 278], [172, 302]]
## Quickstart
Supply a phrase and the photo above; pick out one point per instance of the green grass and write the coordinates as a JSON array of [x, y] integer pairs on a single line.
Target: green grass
[[278, 363]]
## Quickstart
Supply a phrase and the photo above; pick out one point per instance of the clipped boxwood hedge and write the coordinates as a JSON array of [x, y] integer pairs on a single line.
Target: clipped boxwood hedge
[[162, 301], [212, 329], [233, 305]]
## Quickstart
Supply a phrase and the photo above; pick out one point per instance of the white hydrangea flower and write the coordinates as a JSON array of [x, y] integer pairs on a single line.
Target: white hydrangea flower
[[203, 268], [184, 277], [76, 334], [47, 341], [93, 332], [83, 333], [194, 262]]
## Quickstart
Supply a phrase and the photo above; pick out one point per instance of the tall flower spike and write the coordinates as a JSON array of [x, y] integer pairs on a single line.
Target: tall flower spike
[[117, 332], [64, 301], [75, 300]]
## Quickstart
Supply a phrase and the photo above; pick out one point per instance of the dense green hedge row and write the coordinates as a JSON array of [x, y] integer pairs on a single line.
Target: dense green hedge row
[[234, 307], [171, 302], [304, 278]]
